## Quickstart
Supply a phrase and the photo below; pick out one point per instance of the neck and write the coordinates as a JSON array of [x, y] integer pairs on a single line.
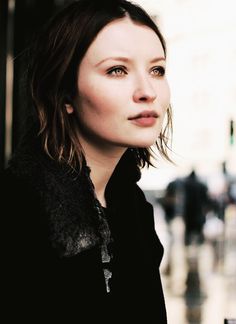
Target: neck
[[102, 164]]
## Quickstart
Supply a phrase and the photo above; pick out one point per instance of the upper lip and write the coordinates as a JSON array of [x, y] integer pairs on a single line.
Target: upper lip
[[144, 114]]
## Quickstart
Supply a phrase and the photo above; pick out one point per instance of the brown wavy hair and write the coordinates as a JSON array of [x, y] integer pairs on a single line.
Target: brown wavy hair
[[55, 56]]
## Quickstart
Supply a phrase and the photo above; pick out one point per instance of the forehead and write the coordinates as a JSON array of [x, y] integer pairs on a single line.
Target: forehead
[[125, 37]]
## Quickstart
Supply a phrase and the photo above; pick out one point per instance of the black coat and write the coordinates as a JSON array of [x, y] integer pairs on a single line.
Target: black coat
[[53, 233]]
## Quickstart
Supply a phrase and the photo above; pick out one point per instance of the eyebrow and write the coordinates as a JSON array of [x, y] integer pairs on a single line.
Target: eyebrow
[[126, 59]]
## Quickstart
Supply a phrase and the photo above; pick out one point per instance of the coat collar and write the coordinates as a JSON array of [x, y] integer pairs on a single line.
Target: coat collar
[[74, 215]]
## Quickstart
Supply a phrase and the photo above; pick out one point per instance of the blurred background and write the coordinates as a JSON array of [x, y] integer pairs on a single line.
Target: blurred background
[[194, 199]]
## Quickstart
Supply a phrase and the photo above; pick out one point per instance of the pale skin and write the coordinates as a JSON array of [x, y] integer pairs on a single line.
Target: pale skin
[[121, 75]]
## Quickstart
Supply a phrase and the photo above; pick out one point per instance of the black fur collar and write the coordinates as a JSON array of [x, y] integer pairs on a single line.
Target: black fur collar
[[74, 215]]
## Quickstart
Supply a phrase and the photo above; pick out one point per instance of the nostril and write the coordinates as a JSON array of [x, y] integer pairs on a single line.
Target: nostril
[[143, 99], [142, 95]]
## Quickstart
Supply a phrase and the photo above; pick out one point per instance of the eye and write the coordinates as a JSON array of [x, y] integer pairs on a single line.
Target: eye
[[158, 71], [117, 71]]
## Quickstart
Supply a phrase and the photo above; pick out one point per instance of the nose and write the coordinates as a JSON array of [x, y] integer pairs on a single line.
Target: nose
[[144, 91]]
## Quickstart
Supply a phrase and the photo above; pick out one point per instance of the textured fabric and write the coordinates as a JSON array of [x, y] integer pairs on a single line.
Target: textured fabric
[[55, 240], [75, 221]]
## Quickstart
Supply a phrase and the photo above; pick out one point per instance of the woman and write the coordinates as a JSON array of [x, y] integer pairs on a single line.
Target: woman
[[82, 244]]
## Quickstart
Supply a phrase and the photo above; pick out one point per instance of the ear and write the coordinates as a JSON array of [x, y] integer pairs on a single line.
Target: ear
[[69, 109]]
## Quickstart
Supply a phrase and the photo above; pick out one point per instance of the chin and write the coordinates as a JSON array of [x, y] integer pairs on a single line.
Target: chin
[[145, 143], [150, 141]]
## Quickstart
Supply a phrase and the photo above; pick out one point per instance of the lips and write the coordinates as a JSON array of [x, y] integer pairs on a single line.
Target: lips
[[144, 114], [144, 119]]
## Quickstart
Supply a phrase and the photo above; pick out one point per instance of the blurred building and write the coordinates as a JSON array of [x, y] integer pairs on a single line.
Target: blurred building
[[19, 21]]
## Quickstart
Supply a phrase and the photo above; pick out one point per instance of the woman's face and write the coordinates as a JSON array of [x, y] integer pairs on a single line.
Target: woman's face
[[123, 93]]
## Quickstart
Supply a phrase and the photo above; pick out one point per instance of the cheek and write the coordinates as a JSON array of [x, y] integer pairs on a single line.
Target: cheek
[[106, 104], [94, 106], [95, 96], [89, 100]]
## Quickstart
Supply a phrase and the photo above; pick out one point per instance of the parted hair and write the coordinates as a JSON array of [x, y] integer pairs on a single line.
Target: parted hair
[[55, 57]]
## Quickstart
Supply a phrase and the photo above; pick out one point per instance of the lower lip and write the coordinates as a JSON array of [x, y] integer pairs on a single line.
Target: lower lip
[[144, 121]]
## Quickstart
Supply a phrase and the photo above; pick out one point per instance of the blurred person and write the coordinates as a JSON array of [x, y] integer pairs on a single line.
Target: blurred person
[[80, 241], [172, 201], [232, 192], [226, 196], [223, 197], [195, 206], [172, 204], [230, 186]]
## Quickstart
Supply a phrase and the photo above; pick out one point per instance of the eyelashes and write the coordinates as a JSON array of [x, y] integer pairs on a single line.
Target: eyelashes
[[119, 71], [158, 71]]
